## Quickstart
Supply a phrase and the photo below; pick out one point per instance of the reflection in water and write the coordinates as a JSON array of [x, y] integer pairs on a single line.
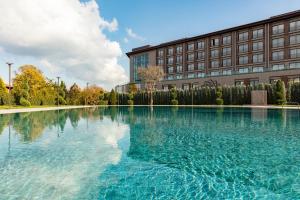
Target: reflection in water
[[139, 153]]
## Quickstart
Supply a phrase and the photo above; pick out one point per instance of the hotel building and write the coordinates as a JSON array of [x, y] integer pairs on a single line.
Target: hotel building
[[259, 52]]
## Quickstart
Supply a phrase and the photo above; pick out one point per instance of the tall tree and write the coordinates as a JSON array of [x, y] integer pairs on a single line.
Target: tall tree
[[150, 76], [73, 97], [91, 95], [112, 97], [3, 93]]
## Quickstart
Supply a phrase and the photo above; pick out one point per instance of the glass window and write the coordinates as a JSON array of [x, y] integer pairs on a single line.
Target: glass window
[[258, 33], [214, 53], [278, 55], [227, 51], [278, 29], [294, 65], [215, 42], [258, 69], [243, 60], [201, 44], [294, 80], [170, 51], [294, 26], [279, 42], [257, 46], [191, 57], [179, 68], [191, 67], [227, 62], [201, 55], [215, 73], [227, 40], [185, 86], [139, 61], [170, 60], [243, 48], [214, 63], [254, 82], [258, 58], [295, 53], [191, 75], [227, 72], [179, 49], [191, 47], [243, 36], [278, 67], [170, 69], [201, 75], [160, 61], [179, 76], [201, 65], [295, 39], [178, 59], [161, 53], [239, 83], [244, 70], [170, 77]]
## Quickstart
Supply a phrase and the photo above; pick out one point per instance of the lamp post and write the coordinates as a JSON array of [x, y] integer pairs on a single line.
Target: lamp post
[[87, 86], [58, 90], [9, 78]]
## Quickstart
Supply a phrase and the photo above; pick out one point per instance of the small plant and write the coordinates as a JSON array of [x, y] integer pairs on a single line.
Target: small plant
[[219, 100]]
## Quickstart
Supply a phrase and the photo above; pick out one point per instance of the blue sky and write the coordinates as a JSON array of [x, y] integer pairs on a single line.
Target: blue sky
[[69, 44]]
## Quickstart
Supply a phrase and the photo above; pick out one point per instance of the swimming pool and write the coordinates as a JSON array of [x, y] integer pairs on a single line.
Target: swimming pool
[[139, 153]]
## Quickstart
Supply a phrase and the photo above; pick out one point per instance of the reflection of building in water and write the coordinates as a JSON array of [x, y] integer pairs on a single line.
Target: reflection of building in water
[[259, 114]]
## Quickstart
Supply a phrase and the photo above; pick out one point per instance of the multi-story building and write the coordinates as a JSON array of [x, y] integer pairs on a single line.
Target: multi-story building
[[259, 52]]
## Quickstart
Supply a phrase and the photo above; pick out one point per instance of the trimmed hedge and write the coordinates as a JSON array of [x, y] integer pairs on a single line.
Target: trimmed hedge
[[231, 95]]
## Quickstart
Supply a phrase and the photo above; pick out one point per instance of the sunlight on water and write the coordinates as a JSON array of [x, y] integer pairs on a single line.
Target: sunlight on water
[[136, 153]]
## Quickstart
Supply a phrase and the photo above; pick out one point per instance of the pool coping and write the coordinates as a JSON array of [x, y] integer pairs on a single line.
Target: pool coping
[[24, 110]]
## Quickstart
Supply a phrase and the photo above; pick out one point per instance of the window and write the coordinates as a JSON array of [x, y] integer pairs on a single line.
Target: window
[[227, 51], [243, 48], [278, 55], [294, 26], [257, 46], [214, 63], [243, 70], [215, 42], [215, 73], [243, 60], [191, 47], [179, 76], [278, 67], [258, 58], [227, 62], [170, 69], [201, 75], [185, 86], [254, 82], [243, 36], [178, 59], [295, 53], [201, 55], [279, 42], [139, 61], [161, 53], [170, 51], [191, 67], [227, 40], [201, 65], [227, 72], [170, 60], [201, 45], [258, 33], [294, 80], [258, 69], [179, 68], [170, 77], [294, 65], [160, 62], [214, 53], [239, 83], [191, 57], [191, 75], [274, 80], [278, 29], [179, 49], [295, 39], [165, 87]]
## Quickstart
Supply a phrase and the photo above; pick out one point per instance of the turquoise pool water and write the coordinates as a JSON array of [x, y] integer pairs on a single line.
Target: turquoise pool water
[[164, 153]]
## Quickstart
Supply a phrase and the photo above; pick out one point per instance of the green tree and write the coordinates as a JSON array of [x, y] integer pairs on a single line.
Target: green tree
[[173, 93], [73, 97], [4, 96], [280, 93], [112, 97]]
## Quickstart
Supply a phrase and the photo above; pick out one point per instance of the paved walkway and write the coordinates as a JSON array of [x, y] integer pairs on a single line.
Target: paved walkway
[[22, 110]]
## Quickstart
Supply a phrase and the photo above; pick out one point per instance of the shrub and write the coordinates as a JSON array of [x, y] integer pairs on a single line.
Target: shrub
[[24, 102], [174, 102], [280, 93], [219, 100]]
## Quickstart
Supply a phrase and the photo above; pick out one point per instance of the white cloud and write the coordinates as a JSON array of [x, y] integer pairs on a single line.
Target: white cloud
[[65, 35], [126, 40], [133, 35]]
